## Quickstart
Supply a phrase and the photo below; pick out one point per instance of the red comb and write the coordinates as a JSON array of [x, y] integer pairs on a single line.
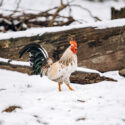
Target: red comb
[[73, 42]]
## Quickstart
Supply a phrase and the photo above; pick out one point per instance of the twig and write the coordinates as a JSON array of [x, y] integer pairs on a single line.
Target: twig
[[56, 13], [18, 4], [1, 3], [89, 12], [16, 23], [61, 2]]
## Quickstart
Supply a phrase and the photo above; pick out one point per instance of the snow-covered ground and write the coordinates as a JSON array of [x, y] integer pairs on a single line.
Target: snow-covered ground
[[41, 103]]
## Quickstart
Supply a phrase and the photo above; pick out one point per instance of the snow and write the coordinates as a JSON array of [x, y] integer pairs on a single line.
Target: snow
[[40, 31], [87, 70], [14, 62], [98, 9], [40, 101], [97, 104], [22, 63]]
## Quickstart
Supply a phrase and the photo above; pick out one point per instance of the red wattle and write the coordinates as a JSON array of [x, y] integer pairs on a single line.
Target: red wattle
[[74, 50]]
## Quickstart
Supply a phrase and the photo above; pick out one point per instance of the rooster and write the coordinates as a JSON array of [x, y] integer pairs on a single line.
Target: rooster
[[58, 71]]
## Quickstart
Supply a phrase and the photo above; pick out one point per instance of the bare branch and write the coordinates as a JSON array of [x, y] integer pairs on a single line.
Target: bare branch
[[18, 4], [89, 12], [1, 3], [61, 2], [41, 19], [56, 13]]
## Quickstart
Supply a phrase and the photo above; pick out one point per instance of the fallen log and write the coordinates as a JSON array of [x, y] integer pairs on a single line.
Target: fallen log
[[100, 49], [78, 77], [15, 67], [116, 14], [122, 72]]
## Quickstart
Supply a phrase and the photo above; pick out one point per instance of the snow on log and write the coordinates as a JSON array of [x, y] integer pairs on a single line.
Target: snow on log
[[81, 76], [101, 46]]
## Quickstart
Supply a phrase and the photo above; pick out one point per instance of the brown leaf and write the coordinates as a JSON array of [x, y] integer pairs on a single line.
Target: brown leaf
[[11, 108]]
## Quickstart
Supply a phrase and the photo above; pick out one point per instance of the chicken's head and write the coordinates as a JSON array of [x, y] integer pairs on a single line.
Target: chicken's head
[[73, 46]]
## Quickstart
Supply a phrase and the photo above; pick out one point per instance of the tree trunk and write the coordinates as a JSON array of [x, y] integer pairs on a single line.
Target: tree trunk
[[100, 49]]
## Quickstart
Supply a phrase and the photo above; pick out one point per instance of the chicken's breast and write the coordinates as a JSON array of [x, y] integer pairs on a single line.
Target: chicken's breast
[[61, 70]]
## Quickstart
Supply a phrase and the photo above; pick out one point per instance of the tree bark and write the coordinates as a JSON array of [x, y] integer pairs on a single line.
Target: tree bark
[[117, 14], [100, 49]]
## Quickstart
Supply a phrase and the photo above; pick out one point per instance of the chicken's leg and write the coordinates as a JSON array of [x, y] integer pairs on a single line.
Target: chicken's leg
[[59, 87], [69, 86]]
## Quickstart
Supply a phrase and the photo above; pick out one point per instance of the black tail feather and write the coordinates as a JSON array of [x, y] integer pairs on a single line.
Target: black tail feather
[[27, 48], [38, 56]]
